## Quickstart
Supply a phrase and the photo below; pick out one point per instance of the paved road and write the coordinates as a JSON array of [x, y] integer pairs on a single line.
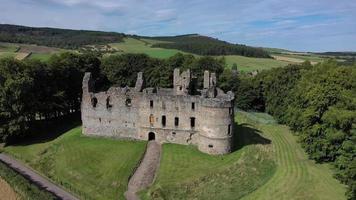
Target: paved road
[[145, 173], [36, 178]]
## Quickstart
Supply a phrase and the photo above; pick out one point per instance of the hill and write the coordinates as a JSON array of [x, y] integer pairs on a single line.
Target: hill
[[75, 39], [55, 37], [268, 158], [204, 45]]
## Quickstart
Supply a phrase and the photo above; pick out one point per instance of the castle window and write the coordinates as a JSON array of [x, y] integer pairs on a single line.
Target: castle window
[[230, 111], [176, 121], [94, 102], [173, 133], [192, 122], [128, 102], [193, 106], [229, 129], [210, 146], [108, 103], [163, 120], [151, 103], [151, 119]]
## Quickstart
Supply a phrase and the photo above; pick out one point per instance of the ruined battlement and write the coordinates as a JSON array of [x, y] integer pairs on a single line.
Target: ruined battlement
[[168, 115]]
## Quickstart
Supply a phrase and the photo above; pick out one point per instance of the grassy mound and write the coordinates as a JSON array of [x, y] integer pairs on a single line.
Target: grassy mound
[[92, 168]]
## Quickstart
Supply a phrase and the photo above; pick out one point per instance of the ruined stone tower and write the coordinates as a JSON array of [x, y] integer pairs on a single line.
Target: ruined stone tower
[[168, 115]]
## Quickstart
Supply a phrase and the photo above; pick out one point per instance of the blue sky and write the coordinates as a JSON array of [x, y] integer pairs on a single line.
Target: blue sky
[[303, 25]]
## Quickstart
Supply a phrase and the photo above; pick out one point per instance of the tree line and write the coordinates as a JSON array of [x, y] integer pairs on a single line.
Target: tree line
[[203, 45], [55, 37], [317, 102]]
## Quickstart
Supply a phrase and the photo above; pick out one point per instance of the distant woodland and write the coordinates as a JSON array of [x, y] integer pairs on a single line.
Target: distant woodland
[[54, 37], [203, 45]]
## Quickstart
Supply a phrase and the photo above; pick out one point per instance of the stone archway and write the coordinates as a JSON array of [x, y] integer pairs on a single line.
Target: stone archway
[[151, 136]]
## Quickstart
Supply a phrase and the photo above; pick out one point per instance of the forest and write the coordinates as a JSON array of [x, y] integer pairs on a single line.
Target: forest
[[317, 102], [54, 37], [203, 45]]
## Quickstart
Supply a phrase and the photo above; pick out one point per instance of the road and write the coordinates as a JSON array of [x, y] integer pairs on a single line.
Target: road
[[36, 178]]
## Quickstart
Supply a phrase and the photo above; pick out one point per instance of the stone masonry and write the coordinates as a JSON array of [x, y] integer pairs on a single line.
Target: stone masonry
[[167, 115]]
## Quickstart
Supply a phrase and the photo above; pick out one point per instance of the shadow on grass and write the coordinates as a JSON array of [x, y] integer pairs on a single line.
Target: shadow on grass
[[45, 131], [245, 134]]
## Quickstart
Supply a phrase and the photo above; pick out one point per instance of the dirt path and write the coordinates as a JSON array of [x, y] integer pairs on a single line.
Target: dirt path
[[145, 173], [6, 192], [36, 178]]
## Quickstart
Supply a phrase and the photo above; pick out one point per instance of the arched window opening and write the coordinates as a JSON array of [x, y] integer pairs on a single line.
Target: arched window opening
[[151, 103], [229, 129], [176, 121], [192, 122], [108, 103], [163, 121], [94, 102], [193, 106]]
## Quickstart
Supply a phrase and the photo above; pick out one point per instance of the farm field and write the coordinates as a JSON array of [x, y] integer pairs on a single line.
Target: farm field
[[248, 173], [251, 64], [23, 51], [91, 168]]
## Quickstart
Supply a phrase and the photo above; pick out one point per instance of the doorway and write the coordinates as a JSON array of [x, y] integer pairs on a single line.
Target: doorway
[[151, 136]]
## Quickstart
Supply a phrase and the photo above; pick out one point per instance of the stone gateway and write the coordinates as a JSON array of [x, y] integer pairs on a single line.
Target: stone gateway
[[167, 115]]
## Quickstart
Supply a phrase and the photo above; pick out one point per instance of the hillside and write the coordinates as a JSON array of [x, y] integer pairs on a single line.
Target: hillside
[[203, 45], [55, 37], [75, 39]]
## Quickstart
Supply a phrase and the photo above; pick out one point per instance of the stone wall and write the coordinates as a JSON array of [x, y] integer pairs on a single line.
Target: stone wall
[[170, 115]]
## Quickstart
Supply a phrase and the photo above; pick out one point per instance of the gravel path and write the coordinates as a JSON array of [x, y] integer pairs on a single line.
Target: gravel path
[[36, 178], [145, 173]]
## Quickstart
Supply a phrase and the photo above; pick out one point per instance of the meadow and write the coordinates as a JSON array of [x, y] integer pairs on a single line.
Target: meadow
[[91, 168], [280, 170], [268, 163]]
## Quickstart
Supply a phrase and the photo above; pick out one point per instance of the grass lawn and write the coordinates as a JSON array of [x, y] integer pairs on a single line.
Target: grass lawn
[[41, 56], [258, 170], [93, 168], [296, 176]]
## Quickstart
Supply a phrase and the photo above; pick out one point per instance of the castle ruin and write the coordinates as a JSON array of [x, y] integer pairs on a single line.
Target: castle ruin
[[167, 115]]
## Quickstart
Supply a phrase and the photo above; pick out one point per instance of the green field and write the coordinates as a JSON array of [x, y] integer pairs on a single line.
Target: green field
[[269, 164], [131, 45], [248, 173], [250, 64], [92, 168], [296, 176]]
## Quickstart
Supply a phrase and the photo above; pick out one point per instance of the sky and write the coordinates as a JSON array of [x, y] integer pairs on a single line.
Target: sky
[[301, 25]]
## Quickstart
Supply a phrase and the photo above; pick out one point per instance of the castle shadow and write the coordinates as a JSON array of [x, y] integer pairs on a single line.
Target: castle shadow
[[245, 135], [47, 130]]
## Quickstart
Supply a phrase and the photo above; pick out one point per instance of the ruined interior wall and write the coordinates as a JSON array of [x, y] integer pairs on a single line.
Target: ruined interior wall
[[117, 120]]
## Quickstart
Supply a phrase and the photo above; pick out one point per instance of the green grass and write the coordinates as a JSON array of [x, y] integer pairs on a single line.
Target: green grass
[[23, 187], [296, 176], [93, 168], [250, 64], [131, 45], [7, 54], [8, 47], [41, 56], [249, 173]]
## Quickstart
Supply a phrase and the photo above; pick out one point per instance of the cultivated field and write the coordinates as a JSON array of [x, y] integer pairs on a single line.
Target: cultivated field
[[93, 168], [23, 51], [251, 64]]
